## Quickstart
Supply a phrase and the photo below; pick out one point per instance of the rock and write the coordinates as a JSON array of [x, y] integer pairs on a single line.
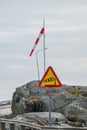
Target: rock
[[76, 114], [61, 100], [31, 89], [30, 98], [65, 100], [20, 105], [81, 101], [41, 118]]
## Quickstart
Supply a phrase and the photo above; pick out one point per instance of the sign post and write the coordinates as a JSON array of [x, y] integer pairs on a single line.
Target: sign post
[[50, 92], [50, 80]]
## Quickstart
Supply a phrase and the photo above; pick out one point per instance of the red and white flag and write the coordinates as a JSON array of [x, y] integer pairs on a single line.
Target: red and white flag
[[37, 40]]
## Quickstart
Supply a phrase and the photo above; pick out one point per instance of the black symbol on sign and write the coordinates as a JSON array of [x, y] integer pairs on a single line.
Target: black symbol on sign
[[51, 79]]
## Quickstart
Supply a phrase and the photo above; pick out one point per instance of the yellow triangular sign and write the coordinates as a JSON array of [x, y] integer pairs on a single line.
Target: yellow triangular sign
[[50, 79]]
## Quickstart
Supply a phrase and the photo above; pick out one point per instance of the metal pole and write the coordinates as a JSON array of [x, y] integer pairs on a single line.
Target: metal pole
[[50, 92], [44, 45], [37, 62], [44, 72], [37, 66]]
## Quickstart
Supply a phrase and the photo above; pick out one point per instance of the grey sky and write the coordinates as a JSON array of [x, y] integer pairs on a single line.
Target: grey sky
[[66, 40]]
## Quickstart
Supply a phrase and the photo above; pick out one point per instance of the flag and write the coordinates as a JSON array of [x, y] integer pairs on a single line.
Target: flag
[[36, 41]]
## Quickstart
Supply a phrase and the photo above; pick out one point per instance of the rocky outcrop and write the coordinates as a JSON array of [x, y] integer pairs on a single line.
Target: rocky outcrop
[[67, 100], [61, 100], [41, 118], [76, 112], [27, 98]]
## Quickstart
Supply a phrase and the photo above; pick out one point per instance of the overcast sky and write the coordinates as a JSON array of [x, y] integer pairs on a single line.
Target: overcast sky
[[65, 38]]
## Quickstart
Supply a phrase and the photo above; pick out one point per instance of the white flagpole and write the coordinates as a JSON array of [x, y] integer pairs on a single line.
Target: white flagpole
[[44, 55], [49, 103]]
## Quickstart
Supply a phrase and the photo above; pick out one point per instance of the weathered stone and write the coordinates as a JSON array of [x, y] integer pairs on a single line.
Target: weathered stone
[[81, 101], [31, 89], [66, 99], [61, 100], [75, 113], [41, 118]]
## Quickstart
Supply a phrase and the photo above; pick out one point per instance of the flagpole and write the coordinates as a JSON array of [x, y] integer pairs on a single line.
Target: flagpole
[[44, 55], [49, 102]]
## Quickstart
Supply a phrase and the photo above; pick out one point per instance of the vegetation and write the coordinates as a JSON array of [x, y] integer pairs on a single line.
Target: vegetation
[[74, 92]]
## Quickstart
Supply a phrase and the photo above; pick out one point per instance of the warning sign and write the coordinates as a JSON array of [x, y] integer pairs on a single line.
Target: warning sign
[[50, 79]]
